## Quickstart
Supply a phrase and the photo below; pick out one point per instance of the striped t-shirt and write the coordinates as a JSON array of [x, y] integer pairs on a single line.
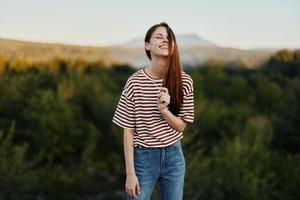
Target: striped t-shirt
[[137, 109]]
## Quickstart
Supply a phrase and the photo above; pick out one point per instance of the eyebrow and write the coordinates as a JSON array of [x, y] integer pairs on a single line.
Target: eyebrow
[[160, 34]]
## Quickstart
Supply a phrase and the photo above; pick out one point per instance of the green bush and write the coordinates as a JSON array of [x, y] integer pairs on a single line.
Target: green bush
[[57, 140]]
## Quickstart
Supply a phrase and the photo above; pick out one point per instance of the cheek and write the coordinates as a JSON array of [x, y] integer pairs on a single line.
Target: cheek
[[155, 48]]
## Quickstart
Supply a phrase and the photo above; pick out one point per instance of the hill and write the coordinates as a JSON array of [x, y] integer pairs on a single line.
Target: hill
[[193, 51]]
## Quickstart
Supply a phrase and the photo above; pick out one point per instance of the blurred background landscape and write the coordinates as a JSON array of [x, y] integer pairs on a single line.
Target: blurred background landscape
[[58, 93]]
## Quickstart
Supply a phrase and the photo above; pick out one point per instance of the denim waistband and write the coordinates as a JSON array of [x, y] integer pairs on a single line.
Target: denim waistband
[[177, 143]]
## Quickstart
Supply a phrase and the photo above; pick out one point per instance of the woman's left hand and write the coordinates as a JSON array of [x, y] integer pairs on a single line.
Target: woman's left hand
[[163, 99]]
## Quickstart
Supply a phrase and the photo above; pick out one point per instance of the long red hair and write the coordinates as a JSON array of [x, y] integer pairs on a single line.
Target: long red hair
[[172, 77]]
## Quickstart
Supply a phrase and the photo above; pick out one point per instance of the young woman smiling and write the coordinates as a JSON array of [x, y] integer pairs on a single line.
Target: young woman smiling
[[156, 104]]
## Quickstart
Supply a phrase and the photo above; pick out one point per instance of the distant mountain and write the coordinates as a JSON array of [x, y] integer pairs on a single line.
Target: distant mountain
[[184, 41], [39, 51], [193, 50]]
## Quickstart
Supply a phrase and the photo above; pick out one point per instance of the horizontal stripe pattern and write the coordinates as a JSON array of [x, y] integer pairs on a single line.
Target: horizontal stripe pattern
[[137, 109]]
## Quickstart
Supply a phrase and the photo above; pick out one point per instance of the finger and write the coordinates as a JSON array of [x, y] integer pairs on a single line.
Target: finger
[[129, 192], [161, 99], [132, 193], [164, 89], [138, 191], [165, 98], [163, 95]]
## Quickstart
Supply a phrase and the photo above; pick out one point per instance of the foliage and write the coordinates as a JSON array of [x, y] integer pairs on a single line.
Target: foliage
[[57, 140]]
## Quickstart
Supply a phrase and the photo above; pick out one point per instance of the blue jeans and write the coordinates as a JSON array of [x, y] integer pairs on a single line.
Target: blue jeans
[[164, 165]]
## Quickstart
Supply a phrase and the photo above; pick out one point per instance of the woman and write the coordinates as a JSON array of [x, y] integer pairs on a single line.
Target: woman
[[154, 108]]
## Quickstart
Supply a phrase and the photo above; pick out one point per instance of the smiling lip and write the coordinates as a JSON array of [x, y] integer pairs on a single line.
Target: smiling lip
[[163, 47]]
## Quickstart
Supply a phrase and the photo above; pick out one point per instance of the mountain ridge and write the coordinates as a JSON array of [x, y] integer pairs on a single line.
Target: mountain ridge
[[135, 56], [183, 41]]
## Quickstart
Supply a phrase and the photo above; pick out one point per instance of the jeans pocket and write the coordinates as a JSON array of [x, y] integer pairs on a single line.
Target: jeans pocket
[[140, 150], [176, 145]]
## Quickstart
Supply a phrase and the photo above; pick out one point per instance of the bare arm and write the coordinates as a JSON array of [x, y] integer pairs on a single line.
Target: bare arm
[[132, 184], [128, 151], [174, 121]]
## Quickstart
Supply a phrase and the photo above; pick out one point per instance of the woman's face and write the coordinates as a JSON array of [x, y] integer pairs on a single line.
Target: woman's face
[[158, 44]]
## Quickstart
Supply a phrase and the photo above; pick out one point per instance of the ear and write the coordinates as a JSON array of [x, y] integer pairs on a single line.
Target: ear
[[147, 46]]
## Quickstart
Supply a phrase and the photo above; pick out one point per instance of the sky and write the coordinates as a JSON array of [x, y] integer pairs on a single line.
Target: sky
[[241, 24]]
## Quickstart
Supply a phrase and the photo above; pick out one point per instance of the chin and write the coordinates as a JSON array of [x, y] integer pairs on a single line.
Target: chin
[[164, 53]]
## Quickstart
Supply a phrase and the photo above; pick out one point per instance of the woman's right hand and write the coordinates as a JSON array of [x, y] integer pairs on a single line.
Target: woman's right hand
[[132, 186]]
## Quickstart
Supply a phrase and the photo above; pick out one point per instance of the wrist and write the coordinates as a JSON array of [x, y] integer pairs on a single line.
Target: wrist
[[131, 173], [164, 111]]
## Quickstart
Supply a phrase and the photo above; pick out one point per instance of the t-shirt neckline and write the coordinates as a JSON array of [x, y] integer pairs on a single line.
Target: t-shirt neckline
[[149, 77]]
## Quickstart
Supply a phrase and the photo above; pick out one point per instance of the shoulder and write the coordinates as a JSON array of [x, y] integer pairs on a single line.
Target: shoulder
[[136, 76], [186, 78], [133, 81], [187, 82]]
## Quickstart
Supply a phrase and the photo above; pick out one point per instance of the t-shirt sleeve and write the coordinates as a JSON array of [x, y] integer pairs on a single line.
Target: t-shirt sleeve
[[186, 111], [125, 112]]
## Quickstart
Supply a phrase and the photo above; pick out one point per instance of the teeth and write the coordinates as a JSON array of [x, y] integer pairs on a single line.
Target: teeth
[[163, 47]]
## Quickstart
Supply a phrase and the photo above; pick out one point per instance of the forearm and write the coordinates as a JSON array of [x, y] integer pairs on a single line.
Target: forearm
[[129, 151], [174, 121]]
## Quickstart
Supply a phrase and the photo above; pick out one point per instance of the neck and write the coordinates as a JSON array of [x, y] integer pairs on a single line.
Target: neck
[[157, 67]]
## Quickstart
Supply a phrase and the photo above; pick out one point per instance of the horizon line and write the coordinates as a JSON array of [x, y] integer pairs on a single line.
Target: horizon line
[[95, 45]]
